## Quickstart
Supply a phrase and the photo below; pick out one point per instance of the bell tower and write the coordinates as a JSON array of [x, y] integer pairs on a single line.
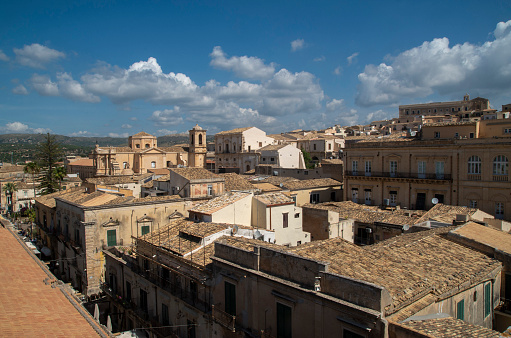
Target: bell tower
[[197, 152]]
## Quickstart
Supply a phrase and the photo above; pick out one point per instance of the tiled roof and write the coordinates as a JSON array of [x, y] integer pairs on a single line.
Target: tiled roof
[[308, 184], [83, 162], [445, 213], [34, 304], [449, 328], [272, 147], [142, 133], [364, 213], [49, 200], [234, 181], [276, 180], [408, 266], [449, 124], [234, 131], [194, 173], [175, 149], [274, 198], [331, 161], [162, 171], [109, 180], [12, 168], [219, 202], [494, 238], [265, 187]]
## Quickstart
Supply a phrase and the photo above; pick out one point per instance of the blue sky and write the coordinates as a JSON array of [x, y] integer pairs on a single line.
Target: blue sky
[[114, 68]]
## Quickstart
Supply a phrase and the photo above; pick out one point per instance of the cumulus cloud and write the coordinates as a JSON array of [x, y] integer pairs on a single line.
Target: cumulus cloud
[[338, 110], [249, 67], [65, 86], [338, 71], [36, 55], [126, 126], [117, 135], [167, 117], [436, 67], [352, 58], [20, 90], [81, 133], [377, 116], [3, 57], [297, 45], [163, 132], [335, 105], [21, 128], [43, 85], [133, 118]]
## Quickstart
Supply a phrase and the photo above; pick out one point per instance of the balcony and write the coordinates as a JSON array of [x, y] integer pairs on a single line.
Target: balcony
[[398, 175], [500, 178], [223, 318], [474, 177]]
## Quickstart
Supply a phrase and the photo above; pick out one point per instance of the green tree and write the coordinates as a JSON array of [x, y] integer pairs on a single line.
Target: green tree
[[9, 189], [33, 169], [48, 153], [59, 173], [308, 160]]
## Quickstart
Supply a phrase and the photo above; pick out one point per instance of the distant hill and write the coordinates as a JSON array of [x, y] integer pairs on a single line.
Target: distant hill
[[21, 147]]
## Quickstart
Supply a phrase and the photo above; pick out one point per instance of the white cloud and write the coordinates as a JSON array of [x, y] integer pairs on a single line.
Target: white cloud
[[43, 85], [81, 133], [116, 135], [335, 105], [133, 118], [436, 67], [20, 90], [352, 58], [167, 117], [249, 67], [73, 89], [126, 126], [21, 128], [320, 58], [36, 55], [3, 57], [338, 70], [163, 132], [377, 116], [297, 45]]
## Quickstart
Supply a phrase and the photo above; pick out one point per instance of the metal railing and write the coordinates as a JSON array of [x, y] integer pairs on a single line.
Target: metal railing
[[434, 176], [223, 318]]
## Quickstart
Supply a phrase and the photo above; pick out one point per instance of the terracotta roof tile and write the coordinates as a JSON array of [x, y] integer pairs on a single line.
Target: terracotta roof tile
[[308, 184], [449, 327], [274, 198], [234, 181], [494, 238], [194, 173], [234, 131], [219, 202]]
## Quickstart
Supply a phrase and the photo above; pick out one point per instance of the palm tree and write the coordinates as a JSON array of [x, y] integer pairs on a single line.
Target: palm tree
[[33, 169], [59, 173], [9, 189]]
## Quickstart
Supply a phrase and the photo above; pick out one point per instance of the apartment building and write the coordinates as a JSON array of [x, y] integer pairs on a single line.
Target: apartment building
[[465, 164], [235, 150], [441, 108]]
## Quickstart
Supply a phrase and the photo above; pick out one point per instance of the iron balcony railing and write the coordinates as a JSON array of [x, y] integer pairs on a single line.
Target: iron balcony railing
[[223, 318], [389, 174]]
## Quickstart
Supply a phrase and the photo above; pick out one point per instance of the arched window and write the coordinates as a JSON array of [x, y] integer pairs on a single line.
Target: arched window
[[191, 139], [500, 164], [474, 165], [200, 138], [153, 164], [147, 145]]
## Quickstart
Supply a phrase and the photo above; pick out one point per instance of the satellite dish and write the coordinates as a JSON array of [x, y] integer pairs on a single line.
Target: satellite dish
[[257, 234], [406, 227], [281, 185], [434, 200]]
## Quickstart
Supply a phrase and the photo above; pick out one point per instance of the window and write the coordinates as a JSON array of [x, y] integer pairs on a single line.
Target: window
[[472, 204], [354, 195], [143, 300], [367, 196], [456, 135], [210, 190], [124, 165], [285, 220], [393, 168], [507, 131], [111, 237], [499, 210], [500, 165], [314, 146], [440, 198], [297, 215], [487, 299], [137, 145], [314, 198], [439, 170], [128, 291], [437, 134], [284, 324], [421, 169], [393, 198], [354, 167], [264, 159], [165, 315], [230, 298], [147, 145], [272, 159], [190, 326], [153, 164], [368, 168], [145, 229], [471, 135], [200, 138], [474, 165], [329, 146]]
